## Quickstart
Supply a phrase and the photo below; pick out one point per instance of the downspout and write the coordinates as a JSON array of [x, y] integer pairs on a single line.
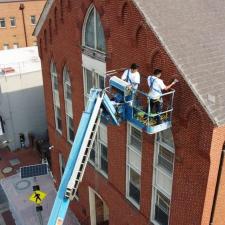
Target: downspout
[[217, 186]]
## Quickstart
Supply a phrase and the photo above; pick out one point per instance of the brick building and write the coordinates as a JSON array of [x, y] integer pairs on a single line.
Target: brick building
[[175, 177], [17, 22]]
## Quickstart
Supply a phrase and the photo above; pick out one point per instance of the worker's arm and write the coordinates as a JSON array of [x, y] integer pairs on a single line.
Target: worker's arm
[[171, 85]]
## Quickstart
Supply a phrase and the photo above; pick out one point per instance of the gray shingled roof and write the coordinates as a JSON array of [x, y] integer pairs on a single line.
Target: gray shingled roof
[[193, 33]]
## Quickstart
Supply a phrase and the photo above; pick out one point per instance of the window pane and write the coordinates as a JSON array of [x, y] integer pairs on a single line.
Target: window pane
[[92, 155], [165, 159], [89, 83], [2, 22], [68, 92], [71, 131], [160, 216], [162, 208], [134, 178], [104, 158], [134, 185], [33, 20], [101, 82], [55, 83], [167, 137], [58, 119], [135, 138], [89, 32], [100, 34], [12, 21], [104, 151], [104, 165]]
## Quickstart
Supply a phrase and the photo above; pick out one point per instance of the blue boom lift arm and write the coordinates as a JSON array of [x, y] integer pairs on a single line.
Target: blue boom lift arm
[[115, 109]]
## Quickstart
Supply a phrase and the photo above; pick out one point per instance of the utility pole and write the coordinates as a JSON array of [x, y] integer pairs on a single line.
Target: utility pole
[[22, 7]]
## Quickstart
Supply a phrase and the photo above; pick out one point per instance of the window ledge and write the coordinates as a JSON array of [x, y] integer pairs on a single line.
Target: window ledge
[[154, 222], [58, 131], [93, 53], [137, 206], [98, 170]]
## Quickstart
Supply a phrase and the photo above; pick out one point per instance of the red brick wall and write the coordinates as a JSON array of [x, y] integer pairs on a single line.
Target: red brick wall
[[218, 143], [129, 39]]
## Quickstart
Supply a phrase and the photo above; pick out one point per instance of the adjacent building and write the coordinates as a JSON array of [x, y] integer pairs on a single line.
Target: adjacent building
[[17, 22], [22, 107], [175, 177]]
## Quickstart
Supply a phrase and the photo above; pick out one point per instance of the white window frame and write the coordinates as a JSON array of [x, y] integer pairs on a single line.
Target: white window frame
[[95, 33], [12, 18], [97, 149], [138, 153], [2, 19], [55, 95], [68, 103], [33, 17], [159, 169]]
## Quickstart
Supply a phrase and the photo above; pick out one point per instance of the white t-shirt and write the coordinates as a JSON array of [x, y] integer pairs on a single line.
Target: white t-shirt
[[131, 78], [156, 88]]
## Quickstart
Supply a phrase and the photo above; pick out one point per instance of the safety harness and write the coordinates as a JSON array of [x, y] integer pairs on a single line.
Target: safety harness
[[151, 82], [128, 78]]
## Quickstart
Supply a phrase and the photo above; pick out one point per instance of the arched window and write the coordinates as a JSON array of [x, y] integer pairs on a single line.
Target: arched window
[[93, 31], [68, 105], [163, 176], [55, 94]]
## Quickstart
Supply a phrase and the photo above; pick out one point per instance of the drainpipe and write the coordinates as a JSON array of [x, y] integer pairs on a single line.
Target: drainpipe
[[22, 7], [217, 186]]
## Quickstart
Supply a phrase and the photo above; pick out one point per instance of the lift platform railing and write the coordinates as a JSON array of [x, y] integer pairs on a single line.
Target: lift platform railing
[[140, 108]]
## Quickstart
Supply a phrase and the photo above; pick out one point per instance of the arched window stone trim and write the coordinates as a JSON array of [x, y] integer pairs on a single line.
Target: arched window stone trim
[[139, 28], [93, 35]]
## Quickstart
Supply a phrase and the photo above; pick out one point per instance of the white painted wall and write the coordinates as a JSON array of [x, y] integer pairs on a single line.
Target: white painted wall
[[22, 106]]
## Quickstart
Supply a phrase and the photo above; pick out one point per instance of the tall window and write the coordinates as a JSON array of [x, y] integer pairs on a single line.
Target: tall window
[[162, 177], [68, 105], [56, 102], [12, 21], [134, 149], [2, 23], [99, 152], [93, 31]]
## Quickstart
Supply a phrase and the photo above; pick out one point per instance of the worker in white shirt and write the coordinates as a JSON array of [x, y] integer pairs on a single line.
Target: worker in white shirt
[[132, 76], [156, 86]]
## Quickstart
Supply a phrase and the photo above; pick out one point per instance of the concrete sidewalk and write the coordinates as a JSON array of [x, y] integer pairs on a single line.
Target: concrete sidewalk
[[23, 210]]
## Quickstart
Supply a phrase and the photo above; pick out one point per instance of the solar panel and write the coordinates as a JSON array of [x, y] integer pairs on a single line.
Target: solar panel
[[34, 170]]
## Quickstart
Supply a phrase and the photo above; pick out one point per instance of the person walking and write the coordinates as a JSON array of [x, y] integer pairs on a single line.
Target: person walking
[[156, 86]]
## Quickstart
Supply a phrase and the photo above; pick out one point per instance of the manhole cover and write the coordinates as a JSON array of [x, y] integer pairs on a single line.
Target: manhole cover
[[22, 185], [7, 169]]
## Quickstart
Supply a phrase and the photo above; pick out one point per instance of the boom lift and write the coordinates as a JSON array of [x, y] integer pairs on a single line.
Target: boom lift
[[111, 105]]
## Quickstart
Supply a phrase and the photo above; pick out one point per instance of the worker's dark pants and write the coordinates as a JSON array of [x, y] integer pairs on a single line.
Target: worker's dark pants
[[156, 107]]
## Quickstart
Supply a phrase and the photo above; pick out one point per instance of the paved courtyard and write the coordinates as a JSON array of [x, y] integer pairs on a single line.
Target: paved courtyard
[[15, 207]]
